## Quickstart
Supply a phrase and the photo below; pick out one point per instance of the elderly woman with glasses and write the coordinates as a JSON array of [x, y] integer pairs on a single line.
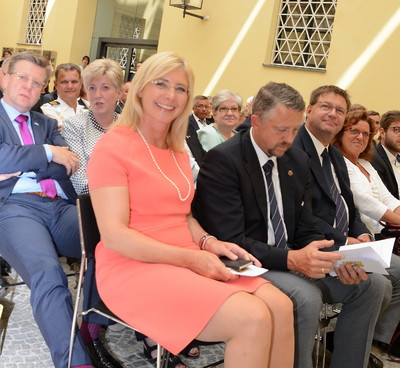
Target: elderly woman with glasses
[[371, 197], [226, 107]]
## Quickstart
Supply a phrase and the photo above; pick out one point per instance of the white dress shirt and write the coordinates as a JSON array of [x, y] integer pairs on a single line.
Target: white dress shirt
[[395, 165], [263, 158]]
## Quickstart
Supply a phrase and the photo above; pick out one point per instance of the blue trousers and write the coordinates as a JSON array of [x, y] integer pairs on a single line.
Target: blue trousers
[[34, 232]]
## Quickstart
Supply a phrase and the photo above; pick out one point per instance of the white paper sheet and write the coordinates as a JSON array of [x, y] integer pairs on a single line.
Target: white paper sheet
[[250, 271], [372, 256]]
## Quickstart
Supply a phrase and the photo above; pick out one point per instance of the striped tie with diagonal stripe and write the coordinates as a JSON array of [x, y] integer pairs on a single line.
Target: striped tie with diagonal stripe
[[275, 216], [341, 220]]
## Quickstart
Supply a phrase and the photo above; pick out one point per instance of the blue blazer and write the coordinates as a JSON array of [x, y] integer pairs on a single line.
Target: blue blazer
[[16, 157], [323, 206]]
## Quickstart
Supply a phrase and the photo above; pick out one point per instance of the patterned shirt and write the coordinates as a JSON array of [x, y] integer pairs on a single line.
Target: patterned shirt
[[82, 132]]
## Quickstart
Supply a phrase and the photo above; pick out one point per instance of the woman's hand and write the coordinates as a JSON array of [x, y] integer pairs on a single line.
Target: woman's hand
[[209, 265], [230, 250]]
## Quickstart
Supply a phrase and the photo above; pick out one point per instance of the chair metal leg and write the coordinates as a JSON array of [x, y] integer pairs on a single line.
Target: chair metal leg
[[76, 308]]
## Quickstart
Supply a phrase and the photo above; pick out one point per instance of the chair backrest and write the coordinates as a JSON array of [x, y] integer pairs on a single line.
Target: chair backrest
[[89, 232]]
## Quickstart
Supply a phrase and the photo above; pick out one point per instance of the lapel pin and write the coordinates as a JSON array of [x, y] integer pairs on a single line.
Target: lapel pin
[[302, 204], [290, 172], [35, 123]]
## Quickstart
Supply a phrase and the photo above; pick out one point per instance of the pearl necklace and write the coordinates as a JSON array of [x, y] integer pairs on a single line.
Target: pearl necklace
[[162, 172]]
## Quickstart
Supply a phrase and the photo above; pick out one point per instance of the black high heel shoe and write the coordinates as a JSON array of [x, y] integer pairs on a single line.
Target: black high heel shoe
[[173, 360]]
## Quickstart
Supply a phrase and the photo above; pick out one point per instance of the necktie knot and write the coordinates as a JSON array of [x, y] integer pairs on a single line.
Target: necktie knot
[[325, 154], [398, 157], [21, 119], [268, 166]]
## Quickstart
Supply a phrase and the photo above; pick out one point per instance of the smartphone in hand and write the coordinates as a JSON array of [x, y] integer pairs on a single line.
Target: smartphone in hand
[[238, 265]]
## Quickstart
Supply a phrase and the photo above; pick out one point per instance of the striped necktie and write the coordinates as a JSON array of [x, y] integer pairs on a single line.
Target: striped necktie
[[341, 220], [275, 216]]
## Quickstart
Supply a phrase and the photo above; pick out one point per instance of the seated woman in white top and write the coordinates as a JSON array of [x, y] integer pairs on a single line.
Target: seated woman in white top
[[226, 107], [372, 199]]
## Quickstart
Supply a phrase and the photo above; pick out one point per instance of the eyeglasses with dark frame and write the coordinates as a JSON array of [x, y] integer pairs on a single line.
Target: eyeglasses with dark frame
[[356, 133], [395, 130], [328, 107], [224, 110], [202, 106]]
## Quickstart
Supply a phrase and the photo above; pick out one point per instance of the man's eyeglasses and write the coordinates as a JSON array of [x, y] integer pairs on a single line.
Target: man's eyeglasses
[[163, 86], [202, 106], [328, 107], [395, 130], [225, 110], [24, 78], [356, 133]]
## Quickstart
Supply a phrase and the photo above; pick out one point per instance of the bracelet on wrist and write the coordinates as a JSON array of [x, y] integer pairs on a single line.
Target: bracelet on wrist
[[203, 240]]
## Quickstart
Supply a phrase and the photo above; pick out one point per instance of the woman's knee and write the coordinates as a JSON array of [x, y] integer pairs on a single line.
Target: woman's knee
[[252, 314]]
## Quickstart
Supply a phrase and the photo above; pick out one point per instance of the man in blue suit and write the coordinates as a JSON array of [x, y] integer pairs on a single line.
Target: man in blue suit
[[38, 221]]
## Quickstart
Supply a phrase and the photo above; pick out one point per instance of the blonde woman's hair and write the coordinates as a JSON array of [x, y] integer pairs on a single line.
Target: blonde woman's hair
[[100, 67], [154, 67]]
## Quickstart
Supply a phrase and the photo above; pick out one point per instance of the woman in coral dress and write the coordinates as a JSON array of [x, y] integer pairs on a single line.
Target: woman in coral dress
[[156, 268]]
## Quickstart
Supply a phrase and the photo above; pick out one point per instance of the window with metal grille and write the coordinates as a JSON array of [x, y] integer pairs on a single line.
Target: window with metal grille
[[36, 20], [130, 27], [303, 34]]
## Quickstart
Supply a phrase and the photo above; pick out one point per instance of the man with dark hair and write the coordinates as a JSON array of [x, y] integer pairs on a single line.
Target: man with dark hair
[[37, 218], [386, 158], [68, 83], [254, 190], [332, 200]]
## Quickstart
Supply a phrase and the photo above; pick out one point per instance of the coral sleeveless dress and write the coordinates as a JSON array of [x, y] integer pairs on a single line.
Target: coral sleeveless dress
[[170, 304]]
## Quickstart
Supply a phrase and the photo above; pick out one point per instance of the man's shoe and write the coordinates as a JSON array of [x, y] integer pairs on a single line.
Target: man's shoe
[[101, 358], [374, 362]]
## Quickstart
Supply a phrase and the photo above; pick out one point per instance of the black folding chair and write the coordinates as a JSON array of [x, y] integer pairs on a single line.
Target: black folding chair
[[89, 237]]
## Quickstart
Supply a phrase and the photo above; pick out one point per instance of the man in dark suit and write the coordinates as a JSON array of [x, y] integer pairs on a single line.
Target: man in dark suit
[[386, 155], [325, 116], [234, 202], [201, 107], [37, 218]]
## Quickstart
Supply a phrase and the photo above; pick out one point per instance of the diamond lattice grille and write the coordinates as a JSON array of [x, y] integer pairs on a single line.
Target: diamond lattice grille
[[304, 33], [36, 20], [129, 28]]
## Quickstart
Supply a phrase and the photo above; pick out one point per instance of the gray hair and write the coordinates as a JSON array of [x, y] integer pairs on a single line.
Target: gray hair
[[273, 93], [225, 95], [32, 57]]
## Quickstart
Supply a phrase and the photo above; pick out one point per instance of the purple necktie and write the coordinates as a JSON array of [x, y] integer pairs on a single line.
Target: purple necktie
[[48, 185]]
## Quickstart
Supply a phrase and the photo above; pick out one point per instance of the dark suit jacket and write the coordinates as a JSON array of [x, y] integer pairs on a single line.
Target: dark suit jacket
[[323, 206], [231, 201], [382, 165], [193, 141], [16, 157], [246, 125]]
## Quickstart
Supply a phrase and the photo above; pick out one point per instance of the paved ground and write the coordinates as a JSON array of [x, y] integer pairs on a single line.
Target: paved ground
[[21, 344]]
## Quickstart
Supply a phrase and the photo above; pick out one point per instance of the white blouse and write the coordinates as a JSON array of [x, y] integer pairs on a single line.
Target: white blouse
[[371, 198]]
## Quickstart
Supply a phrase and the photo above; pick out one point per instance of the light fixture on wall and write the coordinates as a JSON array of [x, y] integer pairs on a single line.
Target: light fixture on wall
[[189, 5]]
